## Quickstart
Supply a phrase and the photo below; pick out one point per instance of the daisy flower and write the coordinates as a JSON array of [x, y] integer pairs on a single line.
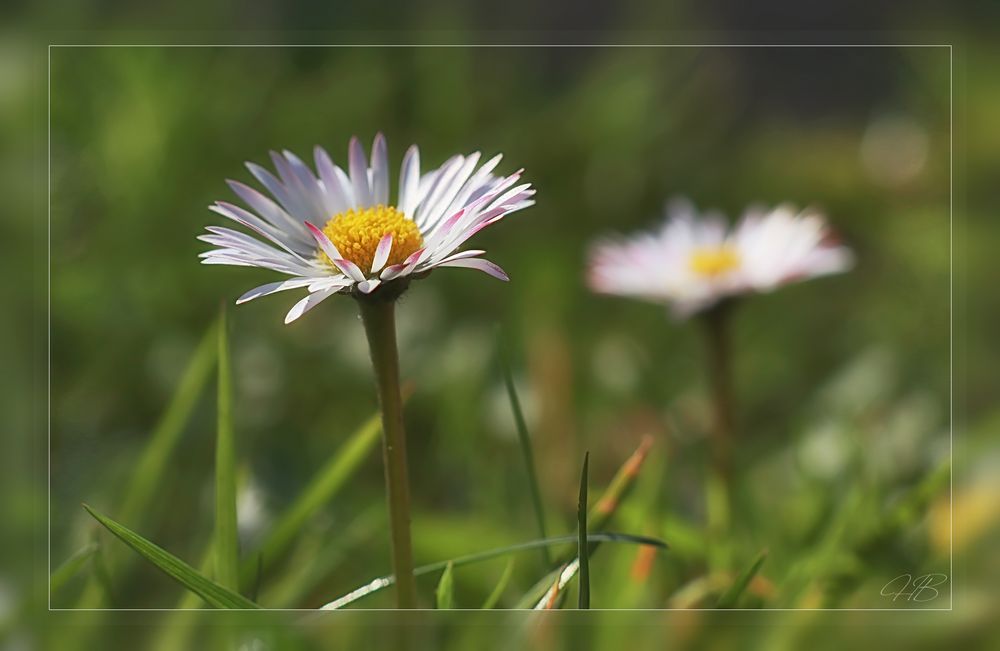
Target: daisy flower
[[336, 232], [693, 262]]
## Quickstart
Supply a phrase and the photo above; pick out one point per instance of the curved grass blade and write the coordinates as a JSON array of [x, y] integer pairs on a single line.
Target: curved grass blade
[[385, 581], [583, 553], [323, 486], [215, 594], [226, 539], [445, 593], [69, 568], [736, 590], [525, 441], [149, 471], [494, 598]]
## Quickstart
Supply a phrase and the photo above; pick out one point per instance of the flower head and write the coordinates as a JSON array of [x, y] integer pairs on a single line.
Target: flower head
[[694, 261], [337, 232]]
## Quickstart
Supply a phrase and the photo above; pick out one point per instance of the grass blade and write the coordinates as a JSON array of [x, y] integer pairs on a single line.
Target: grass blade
[[583, 553], [215, 594], [149, 471], [445, 593], [525, 440], [494, 598], [69, 568], [226, 539], [597, 518], [385, 581], [736, 590], [323, 486]]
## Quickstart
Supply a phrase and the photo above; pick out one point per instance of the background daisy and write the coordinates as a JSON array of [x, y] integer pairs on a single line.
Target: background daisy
[[694, 261]]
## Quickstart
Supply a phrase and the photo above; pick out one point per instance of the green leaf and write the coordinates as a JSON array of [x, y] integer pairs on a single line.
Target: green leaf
[[494, 598], [736, 590], [525, 440], [385, 581], [445, 593], [582, 546], [324, 485], [69, 568], [226, 539], [215, 594]]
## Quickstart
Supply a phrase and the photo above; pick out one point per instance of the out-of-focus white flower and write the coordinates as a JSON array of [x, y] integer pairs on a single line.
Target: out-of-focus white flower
[[338, 232], [693, 261]]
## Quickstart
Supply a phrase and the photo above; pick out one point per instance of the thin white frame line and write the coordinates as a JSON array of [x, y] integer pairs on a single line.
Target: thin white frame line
[[951, 301], [502, 45], [48, 319], [951, 325]]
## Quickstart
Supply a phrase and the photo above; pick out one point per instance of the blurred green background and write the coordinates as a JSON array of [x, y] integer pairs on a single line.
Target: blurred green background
[[843, 383]]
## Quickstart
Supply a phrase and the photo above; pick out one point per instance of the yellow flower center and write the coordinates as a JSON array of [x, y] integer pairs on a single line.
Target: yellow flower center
[[714, 262], [356, 234]]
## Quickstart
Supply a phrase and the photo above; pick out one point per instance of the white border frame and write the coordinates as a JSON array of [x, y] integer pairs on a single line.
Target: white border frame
[[951, 293]]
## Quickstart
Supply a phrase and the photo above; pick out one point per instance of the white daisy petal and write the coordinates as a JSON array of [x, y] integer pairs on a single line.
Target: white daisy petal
[[359, 174], [335, 182], [409, 181], [368, 286], [266, 208], [380, 171], [271, 288]]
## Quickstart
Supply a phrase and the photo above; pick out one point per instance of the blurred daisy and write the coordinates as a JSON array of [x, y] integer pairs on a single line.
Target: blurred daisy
[[695, 261], [337, 232]]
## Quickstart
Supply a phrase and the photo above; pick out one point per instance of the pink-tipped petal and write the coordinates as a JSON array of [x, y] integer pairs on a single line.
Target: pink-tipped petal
[[350, 269], [324, 242], [382, 253], [308, 303], [479, 264]]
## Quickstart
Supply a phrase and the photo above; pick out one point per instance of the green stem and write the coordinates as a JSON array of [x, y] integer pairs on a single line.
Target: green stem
[[716, 321], [380, 327]]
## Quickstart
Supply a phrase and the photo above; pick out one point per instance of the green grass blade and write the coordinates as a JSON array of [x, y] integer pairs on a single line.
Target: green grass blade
[[445, 593], [320, 490], [215, 594], [152, 465], [582, 546], [69, 568], [226, 539], [494, 598], [386, 581], [736, 590], [525, 440]]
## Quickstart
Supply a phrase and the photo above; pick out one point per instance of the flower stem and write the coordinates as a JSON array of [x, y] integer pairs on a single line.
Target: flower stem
[[379, 317], [720, 371]]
